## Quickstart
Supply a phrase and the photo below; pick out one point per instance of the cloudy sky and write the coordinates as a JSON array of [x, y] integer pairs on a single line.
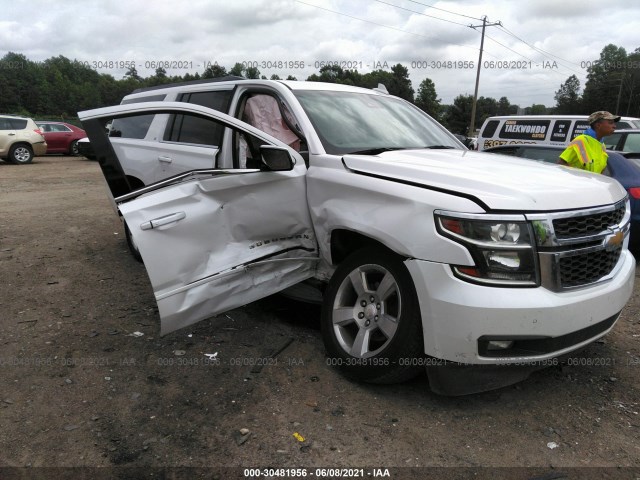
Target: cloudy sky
[[538, 46]]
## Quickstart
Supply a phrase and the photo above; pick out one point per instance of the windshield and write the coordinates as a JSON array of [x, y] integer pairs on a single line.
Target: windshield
[[349, 122]]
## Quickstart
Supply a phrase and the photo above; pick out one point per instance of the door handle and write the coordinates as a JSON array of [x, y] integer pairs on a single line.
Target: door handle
[[160, 221], [165, 159]]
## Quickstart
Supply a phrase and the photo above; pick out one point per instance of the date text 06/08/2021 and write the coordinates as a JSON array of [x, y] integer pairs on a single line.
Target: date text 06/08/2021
[[267, 473], [295, 64]]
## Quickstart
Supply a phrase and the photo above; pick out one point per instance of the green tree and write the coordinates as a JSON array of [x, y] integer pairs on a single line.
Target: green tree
[[631, 91], [427, 98], [505, 107], [400, 83], [132, 73], [485, 107], [252, 72], [568, 100], [604, 80], [458, 115], [214, 71], [336, 74], [237, 70], [535, 109], [396, 81]]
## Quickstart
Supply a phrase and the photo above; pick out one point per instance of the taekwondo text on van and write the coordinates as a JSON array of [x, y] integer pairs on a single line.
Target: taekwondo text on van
[[548, 129]]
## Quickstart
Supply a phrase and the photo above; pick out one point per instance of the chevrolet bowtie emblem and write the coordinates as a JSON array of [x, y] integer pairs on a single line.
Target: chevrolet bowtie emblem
[[615, 240]]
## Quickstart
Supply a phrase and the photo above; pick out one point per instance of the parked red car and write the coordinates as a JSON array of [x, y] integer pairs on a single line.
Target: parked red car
[[61, 137]]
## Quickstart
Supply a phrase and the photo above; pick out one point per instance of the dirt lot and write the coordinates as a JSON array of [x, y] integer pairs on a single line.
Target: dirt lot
[[81, 389]]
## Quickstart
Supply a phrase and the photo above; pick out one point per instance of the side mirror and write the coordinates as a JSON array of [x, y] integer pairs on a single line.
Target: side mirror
[[276, 159]]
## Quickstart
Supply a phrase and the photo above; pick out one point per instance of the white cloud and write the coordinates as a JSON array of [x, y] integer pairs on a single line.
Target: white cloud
[[229, 31]]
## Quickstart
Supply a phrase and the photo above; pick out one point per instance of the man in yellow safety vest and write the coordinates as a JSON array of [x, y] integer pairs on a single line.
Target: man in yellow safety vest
[[587, 151]]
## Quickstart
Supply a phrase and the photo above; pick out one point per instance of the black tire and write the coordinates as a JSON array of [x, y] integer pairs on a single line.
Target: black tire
[[73, 149], [21, 154], [370, 333], [133, 247]]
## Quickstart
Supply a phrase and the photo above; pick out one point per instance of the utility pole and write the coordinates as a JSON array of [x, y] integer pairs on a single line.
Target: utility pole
[[630, 95], [619, 93], [472, 127]]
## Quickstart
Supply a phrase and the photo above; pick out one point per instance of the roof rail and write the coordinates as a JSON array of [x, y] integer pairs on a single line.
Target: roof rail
[[192, 82]]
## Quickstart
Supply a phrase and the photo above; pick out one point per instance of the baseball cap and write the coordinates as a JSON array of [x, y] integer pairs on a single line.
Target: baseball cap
[[602, 115]]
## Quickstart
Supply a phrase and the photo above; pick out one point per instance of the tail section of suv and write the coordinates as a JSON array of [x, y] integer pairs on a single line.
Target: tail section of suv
[[20, 139]]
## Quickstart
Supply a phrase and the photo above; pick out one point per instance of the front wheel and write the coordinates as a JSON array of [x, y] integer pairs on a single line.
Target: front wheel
[[370, 322], [20, 154]]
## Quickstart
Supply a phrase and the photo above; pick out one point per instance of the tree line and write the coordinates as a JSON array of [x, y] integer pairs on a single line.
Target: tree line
[[613, 84], [58, 87]]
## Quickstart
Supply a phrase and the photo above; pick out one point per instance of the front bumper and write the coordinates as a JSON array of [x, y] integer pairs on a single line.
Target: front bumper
[[458, 317]]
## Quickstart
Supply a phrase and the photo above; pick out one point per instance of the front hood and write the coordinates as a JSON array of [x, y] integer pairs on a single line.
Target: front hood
[[498, 181]]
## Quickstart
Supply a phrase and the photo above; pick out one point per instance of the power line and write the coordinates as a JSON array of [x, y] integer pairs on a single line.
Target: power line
[[447, 11], [551, 69], [380, 24], [544, 53], [419, 13], [536, 48], [510, 49]]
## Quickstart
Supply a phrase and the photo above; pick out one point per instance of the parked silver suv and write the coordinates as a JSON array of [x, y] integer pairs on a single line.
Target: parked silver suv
[[20, 139]]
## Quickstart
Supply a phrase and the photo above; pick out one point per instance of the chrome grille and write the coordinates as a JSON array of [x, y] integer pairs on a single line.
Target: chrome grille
[[585, 225], [581, 247], [578, 270]]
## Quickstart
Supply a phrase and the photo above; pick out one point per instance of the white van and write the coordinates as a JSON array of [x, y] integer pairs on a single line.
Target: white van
[[547, 129]]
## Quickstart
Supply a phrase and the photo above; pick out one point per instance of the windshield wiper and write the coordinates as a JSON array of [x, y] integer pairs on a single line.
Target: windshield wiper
[[440, 147], [375, 151]]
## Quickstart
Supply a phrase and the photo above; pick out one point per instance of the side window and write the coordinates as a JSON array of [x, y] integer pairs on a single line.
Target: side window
[[579, 128], [489, 129], [5, 124], [560, 130], [263, 112], [59, 128], [148, 98], [246, 150], [131, 127], [198, 130], [134, 127], [633, 143], [216, 100], [193, 129], [18, 123], [611, 141], [525, 129]]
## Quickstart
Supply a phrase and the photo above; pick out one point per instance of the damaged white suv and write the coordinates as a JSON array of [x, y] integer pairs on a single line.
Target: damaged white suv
[[425, 254]]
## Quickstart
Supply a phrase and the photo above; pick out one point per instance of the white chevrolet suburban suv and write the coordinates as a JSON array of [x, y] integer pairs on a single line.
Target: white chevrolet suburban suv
[[425, 254]]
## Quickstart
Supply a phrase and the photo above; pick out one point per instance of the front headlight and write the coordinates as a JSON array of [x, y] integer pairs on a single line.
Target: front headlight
[[502, 248]]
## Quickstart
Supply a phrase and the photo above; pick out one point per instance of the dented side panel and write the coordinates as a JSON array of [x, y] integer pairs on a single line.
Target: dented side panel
[[213, 244]]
